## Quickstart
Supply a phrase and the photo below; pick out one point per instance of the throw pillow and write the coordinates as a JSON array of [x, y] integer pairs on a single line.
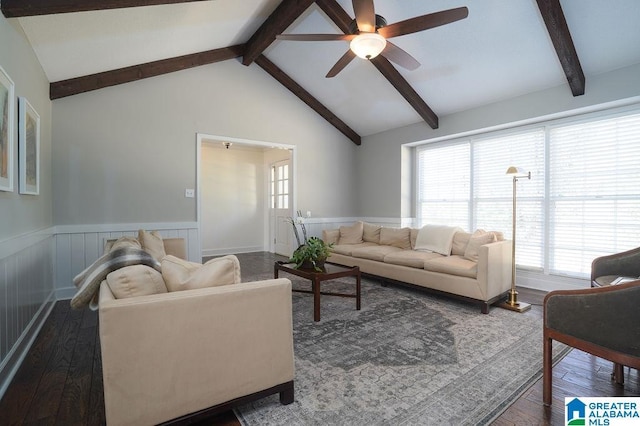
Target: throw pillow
[[135, 280], [436, 238], [396, 237], [152, 243], [180, 274], [106, 264], [479, 238], [351, 234], [371, 233]]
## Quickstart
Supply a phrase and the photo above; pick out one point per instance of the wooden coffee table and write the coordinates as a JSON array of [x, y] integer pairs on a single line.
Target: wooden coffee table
[[330, 272]]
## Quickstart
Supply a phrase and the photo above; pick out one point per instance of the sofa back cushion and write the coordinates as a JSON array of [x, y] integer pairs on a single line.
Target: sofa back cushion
[[460, 241], [351, 234], [371, 233], [180, 274], [396, 237], [152, 243]]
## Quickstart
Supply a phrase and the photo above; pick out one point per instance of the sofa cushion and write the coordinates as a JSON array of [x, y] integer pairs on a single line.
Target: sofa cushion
[[374, 252], [410, 258], [396, 237], [135, 280], [371, 233], [453, 265], [413, 237], [152, 243], [180, 274], [460, 241], [347, 249], [351, 234], [436, 238], [479, 238]]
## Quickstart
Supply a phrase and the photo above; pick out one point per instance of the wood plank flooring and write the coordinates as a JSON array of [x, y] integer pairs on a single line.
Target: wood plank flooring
[[60, 380]]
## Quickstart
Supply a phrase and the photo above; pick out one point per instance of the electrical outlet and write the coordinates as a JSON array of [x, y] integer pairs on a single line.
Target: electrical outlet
[[189, 193]]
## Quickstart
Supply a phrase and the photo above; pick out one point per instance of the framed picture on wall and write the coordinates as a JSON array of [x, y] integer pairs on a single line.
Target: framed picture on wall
[[29, 148], [7, 114]]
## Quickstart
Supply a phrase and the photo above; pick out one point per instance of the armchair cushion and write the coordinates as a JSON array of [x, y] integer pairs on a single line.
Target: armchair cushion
[[135, 280], [180, 274]]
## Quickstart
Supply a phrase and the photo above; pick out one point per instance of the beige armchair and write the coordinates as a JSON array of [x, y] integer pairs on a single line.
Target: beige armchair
[[194, 353]]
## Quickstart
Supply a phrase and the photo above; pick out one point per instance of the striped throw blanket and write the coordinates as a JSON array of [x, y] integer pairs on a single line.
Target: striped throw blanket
[[88, 281]]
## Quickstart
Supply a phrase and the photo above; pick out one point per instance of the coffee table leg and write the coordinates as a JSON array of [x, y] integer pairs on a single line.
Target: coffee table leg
[[316, 298], [358, 291], [275, 271]]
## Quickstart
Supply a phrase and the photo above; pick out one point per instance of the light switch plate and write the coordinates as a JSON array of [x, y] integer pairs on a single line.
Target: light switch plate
[[189, 193]]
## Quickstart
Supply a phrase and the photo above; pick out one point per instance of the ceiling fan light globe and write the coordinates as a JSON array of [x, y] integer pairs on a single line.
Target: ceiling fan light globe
[[368, 45]]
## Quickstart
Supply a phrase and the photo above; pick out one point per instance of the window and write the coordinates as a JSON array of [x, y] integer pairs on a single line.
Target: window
[[280, 186], [583, 197]]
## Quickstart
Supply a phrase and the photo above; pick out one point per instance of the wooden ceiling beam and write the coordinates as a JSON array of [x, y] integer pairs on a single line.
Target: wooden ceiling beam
[[19, 8], [284, 15], [307, 98], [404, 88], [341, 18], [558, 29], [74, 86]]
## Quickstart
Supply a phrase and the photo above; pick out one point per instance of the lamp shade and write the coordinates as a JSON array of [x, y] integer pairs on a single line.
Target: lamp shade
[[518, 172], [368, 45]]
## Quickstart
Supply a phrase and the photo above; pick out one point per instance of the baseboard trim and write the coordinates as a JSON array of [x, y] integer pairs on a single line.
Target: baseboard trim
[[19, 351]]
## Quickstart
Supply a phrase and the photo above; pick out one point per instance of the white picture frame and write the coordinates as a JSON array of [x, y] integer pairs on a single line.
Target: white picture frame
[[7, 131], [29, 148]]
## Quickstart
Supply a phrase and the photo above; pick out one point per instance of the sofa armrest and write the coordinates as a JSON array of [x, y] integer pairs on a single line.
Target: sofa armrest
[[167, 355], [330, 236], [494, 268]]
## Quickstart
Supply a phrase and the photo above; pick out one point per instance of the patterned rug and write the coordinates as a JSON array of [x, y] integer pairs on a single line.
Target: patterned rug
[[406, 358]]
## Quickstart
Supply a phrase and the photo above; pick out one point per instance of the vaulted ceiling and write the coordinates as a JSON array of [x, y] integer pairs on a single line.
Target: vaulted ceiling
[[501, 50]]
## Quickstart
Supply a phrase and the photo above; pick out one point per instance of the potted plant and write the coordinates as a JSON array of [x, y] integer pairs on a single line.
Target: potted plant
[[311, 255]]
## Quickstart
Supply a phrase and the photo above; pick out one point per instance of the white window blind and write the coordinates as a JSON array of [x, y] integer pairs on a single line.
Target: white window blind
[[493, 191], [594, 191], [443, 184], [583, 199]]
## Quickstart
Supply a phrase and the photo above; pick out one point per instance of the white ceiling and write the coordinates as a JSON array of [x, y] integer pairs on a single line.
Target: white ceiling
[[500, 51]]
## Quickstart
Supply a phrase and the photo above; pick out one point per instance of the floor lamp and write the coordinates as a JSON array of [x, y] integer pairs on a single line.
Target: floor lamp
[[512, 302]]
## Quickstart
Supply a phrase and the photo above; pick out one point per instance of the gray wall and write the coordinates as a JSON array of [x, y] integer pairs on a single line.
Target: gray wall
[[382, 181], [125, 154], [24, 213]]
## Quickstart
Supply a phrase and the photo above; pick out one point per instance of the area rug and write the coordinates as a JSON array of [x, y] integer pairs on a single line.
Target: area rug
[[406, 357]]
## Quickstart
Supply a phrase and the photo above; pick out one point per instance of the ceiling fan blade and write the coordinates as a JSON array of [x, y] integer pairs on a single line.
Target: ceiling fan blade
[[424, 22], [399, 56], [342, 62], [365, 15], [315, 37]]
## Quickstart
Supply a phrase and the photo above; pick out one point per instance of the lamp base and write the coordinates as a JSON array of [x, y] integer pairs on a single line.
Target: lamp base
[[512, 303], [518, 306]]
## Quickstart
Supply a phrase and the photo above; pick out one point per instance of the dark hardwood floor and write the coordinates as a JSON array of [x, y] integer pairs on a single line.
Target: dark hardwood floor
[[60, 380]]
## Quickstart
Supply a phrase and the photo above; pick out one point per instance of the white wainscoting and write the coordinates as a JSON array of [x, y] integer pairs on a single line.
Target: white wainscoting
[[26, 296], [77, 247]]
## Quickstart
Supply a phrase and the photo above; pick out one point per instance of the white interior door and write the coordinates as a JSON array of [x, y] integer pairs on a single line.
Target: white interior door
[[281, 207]]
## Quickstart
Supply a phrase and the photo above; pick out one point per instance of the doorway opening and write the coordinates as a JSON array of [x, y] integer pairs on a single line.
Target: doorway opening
[[243, 197]]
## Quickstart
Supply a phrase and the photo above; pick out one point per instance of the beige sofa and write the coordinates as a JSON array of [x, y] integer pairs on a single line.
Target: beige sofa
[[192, 353], [476, 268]]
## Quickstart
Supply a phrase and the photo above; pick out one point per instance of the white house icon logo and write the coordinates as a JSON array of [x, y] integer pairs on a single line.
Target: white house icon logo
[[576, 414]]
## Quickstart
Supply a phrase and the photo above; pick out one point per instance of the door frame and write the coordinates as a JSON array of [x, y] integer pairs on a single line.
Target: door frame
[[205, 138]]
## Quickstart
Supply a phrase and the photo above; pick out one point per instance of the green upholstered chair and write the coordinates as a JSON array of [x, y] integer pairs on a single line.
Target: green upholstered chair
[[606, 269], [603, 321]]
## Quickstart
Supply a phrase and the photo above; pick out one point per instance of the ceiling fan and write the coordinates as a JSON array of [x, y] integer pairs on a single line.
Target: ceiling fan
[[368, 34]]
